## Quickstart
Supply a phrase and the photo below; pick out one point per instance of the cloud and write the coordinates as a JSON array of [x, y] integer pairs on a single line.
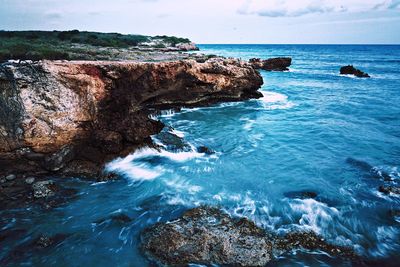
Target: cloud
[[297, 8]]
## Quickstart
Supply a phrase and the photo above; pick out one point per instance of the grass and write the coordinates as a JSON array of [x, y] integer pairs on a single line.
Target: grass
[[36, 45]]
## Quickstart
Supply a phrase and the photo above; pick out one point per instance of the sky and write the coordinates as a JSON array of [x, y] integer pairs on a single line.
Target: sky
[[217, 21]]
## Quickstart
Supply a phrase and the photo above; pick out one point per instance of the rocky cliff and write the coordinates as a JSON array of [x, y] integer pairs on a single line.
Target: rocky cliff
[[71, 117]]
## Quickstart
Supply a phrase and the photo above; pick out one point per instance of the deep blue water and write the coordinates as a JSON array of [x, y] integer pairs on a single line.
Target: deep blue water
[[313, 130]]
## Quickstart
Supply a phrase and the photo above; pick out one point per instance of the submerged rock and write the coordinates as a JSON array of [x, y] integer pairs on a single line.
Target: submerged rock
[[116, 218], [368, 169], [300, 194], [11, 234], [350, 70], [394, 214], [44, 189], [172, 142], [36, 245], [272, 64], [207, 235], [312, 241], [389, 190], [205, 150]]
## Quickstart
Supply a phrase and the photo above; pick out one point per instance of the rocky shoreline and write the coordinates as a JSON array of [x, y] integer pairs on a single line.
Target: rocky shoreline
[[69, 118]]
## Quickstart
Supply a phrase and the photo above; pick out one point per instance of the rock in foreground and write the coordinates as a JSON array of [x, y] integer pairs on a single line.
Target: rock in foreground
[[206, 235], [350, 70], [272, 64]]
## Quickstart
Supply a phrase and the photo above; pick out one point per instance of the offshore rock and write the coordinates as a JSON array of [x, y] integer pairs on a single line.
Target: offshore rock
[[208, 236], [350, 70], [72, 117], [272, 64], [389, 190]]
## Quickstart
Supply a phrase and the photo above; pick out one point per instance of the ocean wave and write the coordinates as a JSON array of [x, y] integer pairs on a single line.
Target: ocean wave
[[135, 170], [387, 240], [273, 100], [314, 215]]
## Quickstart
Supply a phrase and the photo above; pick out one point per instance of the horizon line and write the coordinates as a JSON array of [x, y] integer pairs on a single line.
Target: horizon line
[[392, 44]]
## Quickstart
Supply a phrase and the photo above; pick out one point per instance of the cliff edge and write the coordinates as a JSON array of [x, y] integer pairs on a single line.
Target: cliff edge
[[71, 117]]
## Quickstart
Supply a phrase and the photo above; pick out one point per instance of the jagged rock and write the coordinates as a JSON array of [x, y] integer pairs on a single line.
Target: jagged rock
[[272, 64], [173, 142], [205, 150], [208, 236], [55, 112], [350, 70], [44, 189], [389, 190], [56, 161]]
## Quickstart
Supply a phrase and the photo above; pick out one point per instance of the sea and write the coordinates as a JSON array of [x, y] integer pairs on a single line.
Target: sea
[[310, 155]]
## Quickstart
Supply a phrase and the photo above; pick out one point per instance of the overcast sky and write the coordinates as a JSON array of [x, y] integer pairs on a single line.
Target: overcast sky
[[216, 21]]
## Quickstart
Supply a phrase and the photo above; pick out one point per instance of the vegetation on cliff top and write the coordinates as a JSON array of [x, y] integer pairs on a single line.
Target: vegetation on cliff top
[[36, 45]]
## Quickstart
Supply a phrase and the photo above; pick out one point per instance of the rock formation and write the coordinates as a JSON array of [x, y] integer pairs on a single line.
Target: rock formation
[[187, 47], [350, 70], [389, 190], [208, 236], [72, 117], [272, 64]]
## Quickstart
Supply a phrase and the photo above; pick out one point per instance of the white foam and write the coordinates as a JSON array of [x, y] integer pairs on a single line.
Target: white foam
[[178, 133], [273, 100], [314, 215], [183, 186], [167, 113], [140, 170], [135, 171], [391, 171], [249, 124]]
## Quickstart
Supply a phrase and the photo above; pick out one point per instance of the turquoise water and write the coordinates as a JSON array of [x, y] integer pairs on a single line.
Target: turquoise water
[[313, 130]]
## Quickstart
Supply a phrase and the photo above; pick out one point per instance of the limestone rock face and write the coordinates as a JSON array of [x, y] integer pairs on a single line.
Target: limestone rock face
[[56, 112]]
